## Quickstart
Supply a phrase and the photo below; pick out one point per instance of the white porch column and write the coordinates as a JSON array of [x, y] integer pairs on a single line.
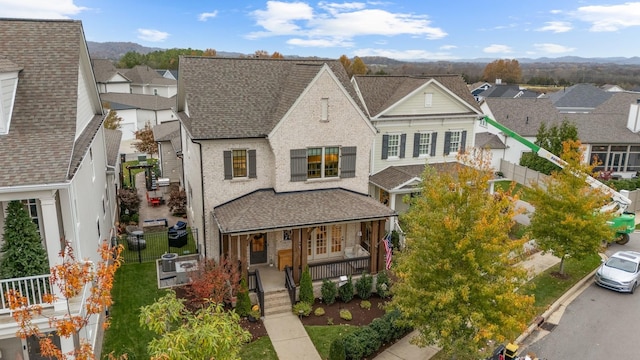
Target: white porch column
[[392, 205], [52, 239]]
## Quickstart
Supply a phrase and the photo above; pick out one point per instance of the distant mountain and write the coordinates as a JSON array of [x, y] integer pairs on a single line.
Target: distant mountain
[[115, 50]]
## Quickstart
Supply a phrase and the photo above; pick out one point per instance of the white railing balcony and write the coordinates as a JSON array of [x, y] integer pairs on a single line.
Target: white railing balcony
[[32, 287]]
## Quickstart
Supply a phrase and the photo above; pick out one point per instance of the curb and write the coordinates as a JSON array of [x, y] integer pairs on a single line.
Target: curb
[[554, 307]]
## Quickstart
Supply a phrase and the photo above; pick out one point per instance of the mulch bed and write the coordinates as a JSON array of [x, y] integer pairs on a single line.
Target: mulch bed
[[360, 316]]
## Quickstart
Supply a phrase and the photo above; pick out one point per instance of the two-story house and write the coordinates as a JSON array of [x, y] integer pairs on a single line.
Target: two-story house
[[59, 161], [276, 158], [420, 120]]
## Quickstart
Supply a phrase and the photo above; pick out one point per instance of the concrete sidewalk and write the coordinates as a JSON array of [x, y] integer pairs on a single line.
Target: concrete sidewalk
[[289, 338]]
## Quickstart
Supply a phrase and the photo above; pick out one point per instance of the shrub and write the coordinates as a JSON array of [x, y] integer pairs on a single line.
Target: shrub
[[329, 321], [302, 308], [306, 287], [336, 351], [177, 200], [346, 315], [363, 286], [382, 285], [364, 304], [329, 291], [135, 218], [345, 292], [361, 343], [243, 305], [129, 200], [319, 312]]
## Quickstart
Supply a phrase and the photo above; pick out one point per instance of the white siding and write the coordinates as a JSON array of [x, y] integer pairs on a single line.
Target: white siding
[[85, 109], [442, 103]]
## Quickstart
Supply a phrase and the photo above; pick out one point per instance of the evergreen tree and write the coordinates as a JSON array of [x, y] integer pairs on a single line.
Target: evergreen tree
[[22, 250], [550, 139], [306, 287]]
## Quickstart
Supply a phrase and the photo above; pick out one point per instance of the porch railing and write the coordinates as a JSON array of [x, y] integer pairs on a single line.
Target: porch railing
[[33, 288], [336, 268], [255, 285], [289, 284]]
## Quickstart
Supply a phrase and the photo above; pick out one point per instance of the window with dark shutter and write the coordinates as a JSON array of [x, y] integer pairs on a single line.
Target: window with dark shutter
[[252, 164], [434, 137], [228, 167], [416, 144], [385, 146], [447, 142], [463, 141], [348, 162], [298, 164], [403, 143]]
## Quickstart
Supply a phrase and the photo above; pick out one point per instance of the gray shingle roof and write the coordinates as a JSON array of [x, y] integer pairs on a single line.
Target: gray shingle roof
[[112, 139], [40, 144], [104, 70], [166, 131], [489, 140], [247, 97], [138, 101], [143, 74], [7, 65], [394, 176], [266, 209], [523, 115], [582, 96], [381, 92]]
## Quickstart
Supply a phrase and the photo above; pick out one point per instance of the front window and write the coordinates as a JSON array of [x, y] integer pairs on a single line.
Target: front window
[[239, 163], [393, 149], [425, 144], [454, 145], [325, 241], [323, 162]]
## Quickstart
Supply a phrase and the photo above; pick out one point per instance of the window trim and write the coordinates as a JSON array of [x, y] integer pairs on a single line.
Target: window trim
[[250, 164]]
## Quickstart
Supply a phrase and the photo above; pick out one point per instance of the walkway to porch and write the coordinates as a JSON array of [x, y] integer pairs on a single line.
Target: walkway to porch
[[272, 278]]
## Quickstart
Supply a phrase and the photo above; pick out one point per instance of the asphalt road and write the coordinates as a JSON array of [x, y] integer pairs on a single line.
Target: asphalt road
[[598, 324]]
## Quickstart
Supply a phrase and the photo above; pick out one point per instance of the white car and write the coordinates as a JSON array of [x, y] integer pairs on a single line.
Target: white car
[[621, 272]]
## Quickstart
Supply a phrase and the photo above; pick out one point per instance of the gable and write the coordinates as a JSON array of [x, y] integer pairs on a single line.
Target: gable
[[431, 99], [117, 78], [8, 86]]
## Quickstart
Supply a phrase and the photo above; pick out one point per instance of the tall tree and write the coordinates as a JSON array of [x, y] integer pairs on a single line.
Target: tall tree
[[346, 63], [566, 221], [112, 121], [210, 52], [209, 333], [456, 281], [261, 54], [550, 139], [131, 59], [71, 277], [146, 143], [22, 250], [358, 67], [507, 70], [277, 55]]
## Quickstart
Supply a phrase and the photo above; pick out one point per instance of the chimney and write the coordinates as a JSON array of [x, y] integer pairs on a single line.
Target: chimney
[[498, 81]]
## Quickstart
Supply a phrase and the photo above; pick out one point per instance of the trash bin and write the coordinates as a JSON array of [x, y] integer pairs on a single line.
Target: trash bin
[[169, 262]]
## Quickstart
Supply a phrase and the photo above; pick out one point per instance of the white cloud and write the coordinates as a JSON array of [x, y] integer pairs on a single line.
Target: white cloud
[[205, 16], [497, 49], [320, 43], [553, 48], [610, 17], [152, 35], [448, 47], [404, 54], [555, 11], [39, 9], [556, 26], [338, 22]]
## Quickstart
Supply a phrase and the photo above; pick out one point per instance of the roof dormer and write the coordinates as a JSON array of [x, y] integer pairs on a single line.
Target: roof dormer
[[8, 86]]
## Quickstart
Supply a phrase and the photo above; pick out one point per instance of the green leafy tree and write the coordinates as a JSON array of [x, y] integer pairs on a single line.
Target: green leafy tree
[[508, 70], [358, 67], [131, 59], [306, 287], [456, 283], [145, 141], [22, 250], [566, 221], [551, 139], [209, 333]]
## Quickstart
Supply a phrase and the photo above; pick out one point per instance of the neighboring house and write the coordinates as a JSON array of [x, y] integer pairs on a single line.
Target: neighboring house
[[137, 110], [169, 74], [59, 161], [477, 88], [506, 91], [147, 81], [579, 98], [108, 78], [611, 88], [167, 135], [609, 131], [420, 120], [276, 165], [492, 143]]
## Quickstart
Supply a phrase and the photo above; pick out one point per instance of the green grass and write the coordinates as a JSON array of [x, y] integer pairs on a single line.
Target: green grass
[[261, 349], [323, 336], [135, 285], [505, 185], [125, 171], [156, 246]]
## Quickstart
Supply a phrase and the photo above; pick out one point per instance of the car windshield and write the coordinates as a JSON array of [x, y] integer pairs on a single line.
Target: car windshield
[[622, 264]]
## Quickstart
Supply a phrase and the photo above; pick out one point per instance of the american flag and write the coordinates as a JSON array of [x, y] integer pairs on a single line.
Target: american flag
[[387, 250]]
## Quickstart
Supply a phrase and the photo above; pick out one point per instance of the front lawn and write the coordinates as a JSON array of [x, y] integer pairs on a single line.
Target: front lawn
[[323, 336]]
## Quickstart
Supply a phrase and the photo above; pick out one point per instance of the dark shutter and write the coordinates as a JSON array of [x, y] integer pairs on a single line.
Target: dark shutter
[[348, 162], [416, 144], [434, 137], [447, 142], [385, 146], [403, 143], [298, 164], [463, 141], [252, 164], [228, 169]]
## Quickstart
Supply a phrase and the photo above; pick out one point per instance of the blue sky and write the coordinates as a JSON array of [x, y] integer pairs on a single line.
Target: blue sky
[[403, 30]]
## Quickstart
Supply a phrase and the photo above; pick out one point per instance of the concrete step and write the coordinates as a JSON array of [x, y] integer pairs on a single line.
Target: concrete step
[[279, 309], [277, 303]]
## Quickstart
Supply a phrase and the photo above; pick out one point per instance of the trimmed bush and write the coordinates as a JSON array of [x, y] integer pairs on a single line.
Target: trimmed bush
[[383, 284], [364, 286], [365, 304], [368, 339], [301, 305], [345, 292], [329, 291], [346, 315], [336, 351], [319, 312], [243, 304], [306, 287]]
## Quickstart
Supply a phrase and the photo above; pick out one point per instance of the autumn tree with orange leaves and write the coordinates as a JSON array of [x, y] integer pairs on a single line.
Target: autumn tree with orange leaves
[[70, 278]]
